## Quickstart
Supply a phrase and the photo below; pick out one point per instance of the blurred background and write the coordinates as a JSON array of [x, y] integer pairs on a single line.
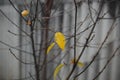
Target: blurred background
[[63, 14]]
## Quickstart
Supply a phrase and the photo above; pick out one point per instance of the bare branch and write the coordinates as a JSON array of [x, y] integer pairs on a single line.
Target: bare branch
[[13, 22], [108, 61], [108, 33], [14, 47], [18, 58]]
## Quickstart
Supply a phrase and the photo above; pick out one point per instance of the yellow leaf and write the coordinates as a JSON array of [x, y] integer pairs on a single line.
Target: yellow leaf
[[80, 64], [57, 69], [60, 40], [24, 13], [28, 22], [50, 47]]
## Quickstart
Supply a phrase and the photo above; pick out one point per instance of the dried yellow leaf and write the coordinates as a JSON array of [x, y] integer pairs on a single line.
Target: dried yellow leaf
[[24, 13], [57, 69], [60, 40], [80, 64], [28, 22], [50, 47]]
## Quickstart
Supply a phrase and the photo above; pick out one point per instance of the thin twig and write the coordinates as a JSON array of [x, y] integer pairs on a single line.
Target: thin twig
[[74, 41], [31, 76], [75, 30], [90, 10], [17, 10], [108, 61], [13, 22], [15, 48], [15, 34], [18, 58]]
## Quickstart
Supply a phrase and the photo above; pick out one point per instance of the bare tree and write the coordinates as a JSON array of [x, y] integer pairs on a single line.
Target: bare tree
[[37, 19]]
